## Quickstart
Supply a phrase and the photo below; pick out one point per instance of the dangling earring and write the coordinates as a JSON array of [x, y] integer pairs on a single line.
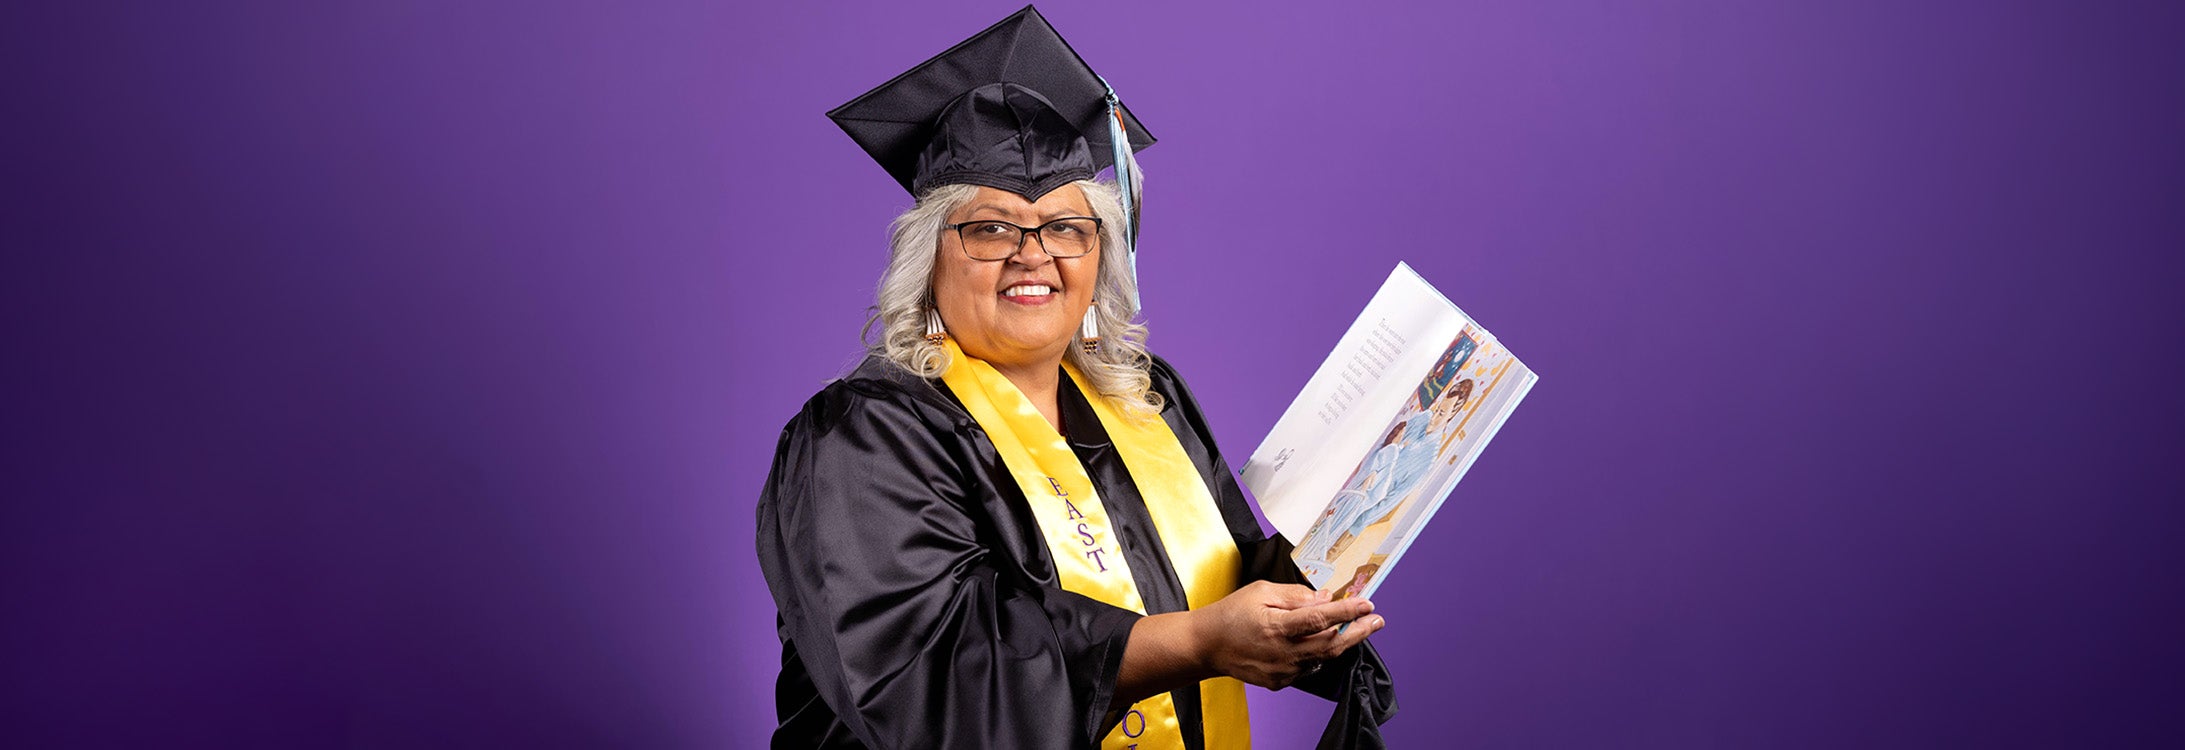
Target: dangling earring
[[934, 331], [1089, 333]]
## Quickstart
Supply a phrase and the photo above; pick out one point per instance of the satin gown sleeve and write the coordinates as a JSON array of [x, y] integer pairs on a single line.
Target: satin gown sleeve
[[903, 624]]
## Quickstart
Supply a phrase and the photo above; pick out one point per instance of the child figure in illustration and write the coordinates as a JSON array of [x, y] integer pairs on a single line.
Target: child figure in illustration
[[1357, 584], [1372, 472], [1417, 441]]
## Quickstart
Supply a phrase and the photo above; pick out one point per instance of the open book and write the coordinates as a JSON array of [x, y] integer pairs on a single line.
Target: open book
[[1381, 434]]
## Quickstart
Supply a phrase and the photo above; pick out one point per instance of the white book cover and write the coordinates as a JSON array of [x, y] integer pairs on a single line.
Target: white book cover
[[1382, 433]]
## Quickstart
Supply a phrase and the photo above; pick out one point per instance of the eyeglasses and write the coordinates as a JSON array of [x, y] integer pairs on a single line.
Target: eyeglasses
[[1067, 237]]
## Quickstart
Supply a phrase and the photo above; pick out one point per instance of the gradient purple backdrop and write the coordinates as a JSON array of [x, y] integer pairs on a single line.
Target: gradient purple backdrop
[[403, 374]]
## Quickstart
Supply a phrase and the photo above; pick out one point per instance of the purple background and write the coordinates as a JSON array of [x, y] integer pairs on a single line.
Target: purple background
[[403, 374]]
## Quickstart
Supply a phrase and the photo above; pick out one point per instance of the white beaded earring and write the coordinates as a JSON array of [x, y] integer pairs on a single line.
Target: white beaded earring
[[934, 331], [1089, 333]]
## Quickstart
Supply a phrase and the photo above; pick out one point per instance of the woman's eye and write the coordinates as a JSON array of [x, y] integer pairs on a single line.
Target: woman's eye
[[1064, 229], [990, 230]]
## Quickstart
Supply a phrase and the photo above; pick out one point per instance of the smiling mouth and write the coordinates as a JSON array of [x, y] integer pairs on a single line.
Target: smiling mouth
[[1028, 290]]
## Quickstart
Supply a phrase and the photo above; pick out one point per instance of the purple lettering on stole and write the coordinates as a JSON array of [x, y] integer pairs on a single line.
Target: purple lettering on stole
[[1084, 529]]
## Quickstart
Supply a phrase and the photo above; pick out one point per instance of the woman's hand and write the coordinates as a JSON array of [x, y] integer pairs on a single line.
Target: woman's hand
[[1267, 634], [1270, 634]]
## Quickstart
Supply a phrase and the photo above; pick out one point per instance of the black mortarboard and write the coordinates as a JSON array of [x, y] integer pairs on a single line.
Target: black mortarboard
[[1013, 107]]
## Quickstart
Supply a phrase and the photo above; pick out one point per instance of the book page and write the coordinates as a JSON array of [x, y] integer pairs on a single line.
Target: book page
[[1387, 501], [1383, 432], [1336, 419]]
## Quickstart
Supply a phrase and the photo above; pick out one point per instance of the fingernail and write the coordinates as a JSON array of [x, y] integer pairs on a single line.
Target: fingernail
[[1368, 605], [1379, 623]]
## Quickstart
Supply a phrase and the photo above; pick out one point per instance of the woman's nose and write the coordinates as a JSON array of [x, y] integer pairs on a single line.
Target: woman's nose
[[1032, 252]]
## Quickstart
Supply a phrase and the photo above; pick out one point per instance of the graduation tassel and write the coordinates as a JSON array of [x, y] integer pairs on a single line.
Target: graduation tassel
[[1129, 183]]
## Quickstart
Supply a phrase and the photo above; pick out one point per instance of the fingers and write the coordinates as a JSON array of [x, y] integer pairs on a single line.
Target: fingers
[[1310, 654], [1287, 595], [1356, 633], [1295, 596], [1291, 643], [1332, 642], [1309, 620]]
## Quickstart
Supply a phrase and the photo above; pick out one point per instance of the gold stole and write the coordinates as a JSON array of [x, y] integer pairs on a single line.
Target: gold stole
[[1088, 557]]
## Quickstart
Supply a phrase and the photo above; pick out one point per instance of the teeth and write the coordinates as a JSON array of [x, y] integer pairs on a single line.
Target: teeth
[[1028, 290]]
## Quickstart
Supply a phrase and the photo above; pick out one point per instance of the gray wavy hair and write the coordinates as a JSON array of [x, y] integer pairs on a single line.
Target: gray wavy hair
[[1118, 371]]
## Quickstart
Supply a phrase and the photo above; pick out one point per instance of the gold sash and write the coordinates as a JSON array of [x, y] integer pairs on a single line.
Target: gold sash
[[1088, 557]]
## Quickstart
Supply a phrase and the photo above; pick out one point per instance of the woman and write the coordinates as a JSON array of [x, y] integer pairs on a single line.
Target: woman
[[997, 532]]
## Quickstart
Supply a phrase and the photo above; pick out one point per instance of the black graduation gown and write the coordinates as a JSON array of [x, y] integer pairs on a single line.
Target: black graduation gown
[[918, 603]]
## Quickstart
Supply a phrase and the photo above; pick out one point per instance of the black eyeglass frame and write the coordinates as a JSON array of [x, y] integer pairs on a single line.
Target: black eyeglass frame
[[964, 243]]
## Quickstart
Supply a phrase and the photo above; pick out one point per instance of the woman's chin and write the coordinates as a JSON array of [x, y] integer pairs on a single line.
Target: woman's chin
[[1011, 347]]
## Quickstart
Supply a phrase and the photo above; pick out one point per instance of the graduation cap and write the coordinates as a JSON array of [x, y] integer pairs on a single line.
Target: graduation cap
[[1013, 107]]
